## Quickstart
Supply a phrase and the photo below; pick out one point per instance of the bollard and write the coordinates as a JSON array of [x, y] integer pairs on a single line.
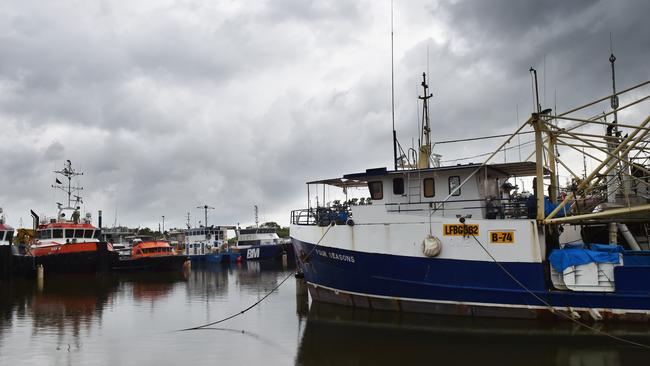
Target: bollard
[[40, 274], [301, 287], [284, 259], [302, 299]]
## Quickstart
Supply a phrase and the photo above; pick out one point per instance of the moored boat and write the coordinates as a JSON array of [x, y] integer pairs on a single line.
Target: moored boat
[[70, 243], [149, 254], [450, 240], [259, 243], [209, 244]]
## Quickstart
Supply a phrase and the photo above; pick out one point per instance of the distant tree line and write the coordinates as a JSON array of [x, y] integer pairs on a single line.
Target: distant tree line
[[283, 232]]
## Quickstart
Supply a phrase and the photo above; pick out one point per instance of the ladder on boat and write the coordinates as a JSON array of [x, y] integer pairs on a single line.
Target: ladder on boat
[[414, 186]]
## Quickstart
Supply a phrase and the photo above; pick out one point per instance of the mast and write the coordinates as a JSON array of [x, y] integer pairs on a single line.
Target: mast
[[392, 88], [612, 137], [613, 128], [424, 158], [205, 212], [68, 172], [257, 220]]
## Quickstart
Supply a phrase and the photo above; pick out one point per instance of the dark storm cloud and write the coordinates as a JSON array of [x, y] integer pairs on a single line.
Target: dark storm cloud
[[479, 71], [170, 105]]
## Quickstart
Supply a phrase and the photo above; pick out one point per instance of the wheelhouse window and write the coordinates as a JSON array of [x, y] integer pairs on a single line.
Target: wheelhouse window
[[376, 190], [9, 236], [429, 187], [57, 233], [69, 233], [46, 234], [79, 233], [96, 234], [454, 181], [88, 234], [398, 185]]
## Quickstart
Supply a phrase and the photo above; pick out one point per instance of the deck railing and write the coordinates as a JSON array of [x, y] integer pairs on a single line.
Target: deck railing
[[321, 216], [491, 209]]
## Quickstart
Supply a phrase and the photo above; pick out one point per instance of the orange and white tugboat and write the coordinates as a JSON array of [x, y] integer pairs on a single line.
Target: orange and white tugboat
[[69, 243], [149, 254]]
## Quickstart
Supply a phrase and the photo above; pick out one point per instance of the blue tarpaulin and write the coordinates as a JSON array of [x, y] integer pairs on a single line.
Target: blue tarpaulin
[[562, 259], [531, 204], [550, 206]]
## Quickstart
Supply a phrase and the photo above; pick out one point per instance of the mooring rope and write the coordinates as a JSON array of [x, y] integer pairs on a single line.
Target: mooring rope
[[556, 311], [262, 298]]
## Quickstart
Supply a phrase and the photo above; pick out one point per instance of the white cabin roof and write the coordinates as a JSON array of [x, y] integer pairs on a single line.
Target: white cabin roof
[[518, 169]]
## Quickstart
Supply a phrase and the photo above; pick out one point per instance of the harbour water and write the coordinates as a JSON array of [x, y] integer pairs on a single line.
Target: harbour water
[[134, 320]]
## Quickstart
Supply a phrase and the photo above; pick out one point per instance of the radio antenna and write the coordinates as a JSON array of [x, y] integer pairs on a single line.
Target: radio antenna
[[392, 86]]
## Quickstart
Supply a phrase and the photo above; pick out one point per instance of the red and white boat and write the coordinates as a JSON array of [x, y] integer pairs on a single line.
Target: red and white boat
[[70, 243]]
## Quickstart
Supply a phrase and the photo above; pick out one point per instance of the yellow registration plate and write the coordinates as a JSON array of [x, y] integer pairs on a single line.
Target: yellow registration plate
[[502, 237], [460, 230]]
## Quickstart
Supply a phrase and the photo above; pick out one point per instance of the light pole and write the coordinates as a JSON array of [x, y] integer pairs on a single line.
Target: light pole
[[163, 225]]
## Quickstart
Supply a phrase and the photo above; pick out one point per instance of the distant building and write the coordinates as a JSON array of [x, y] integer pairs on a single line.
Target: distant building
[[117, 234]]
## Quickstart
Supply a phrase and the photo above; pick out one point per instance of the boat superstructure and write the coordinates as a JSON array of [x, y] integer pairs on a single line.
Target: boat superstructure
[[458, 240], [206, 240]]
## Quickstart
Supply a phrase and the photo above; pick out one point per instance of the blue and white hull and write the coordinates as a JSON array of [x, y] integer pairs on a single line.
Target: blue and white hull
[[389, 281], [260, 252]]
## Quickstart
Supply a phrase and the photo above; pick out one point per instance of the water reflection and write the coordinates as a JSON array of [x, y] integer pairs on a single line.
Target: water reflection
[[257, 277], [151, 287], [94, 319], [75, 303], [344, 336], [71, 302]]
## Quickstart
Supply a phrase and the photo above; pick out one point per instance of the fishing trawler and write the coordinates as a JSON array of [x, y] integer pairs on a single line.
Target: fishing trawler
[[455, 240], [70, 243]]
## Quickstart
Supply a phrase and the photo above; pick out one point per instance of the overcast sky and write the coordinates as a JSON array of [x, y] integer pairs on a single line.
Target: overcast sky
[[168, 105]]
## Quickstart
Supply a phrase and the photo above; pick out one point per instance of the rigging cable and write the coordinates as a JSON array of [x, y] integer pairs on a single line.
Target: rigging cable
[[261, 299], [552, 309], [486, 154], [480, 138]]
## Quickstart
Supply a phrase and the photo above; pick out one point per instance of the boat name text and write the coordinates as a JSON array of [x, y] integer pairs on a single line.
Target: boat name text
[[336, 256]]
